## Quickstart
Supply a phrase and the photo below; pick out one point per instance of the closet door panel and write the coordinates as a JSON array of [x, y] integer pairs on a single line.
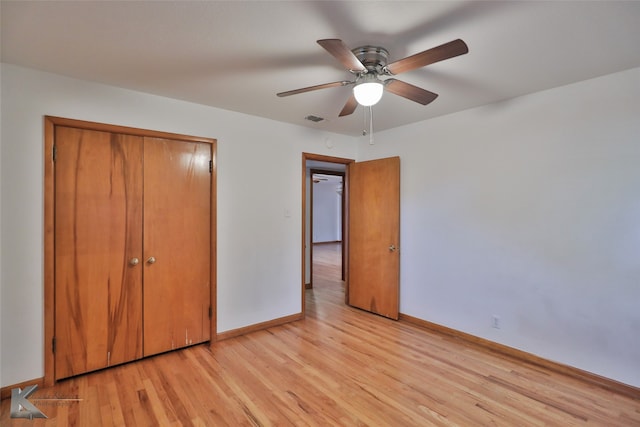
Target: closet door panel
[[177, 244], [98, 231]]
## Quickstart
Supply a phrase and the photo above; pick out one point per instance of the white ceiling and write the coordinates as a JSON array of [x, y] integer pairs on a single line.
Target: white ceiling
[[237, 55]]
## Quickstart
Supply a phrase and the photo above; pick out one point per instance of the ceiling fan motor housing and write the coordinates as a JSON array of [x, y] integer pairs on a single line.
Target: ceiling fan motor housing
[[374, 58]]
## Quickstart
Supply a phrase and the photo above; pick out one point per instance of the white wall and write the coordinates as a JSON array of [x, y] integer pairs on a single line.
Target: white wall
[[530, 210], [327, 212], [259, 227]]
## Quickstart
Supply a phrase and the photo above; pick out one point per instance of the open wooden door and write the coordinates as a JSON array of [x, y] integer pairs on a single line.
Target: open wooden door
[[374, 234]]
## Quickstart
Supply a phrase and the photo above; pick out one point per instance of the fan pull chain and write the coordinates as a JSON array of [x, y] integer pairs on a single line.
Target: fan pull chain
[[370, 125], [364, 125], [364, 122]]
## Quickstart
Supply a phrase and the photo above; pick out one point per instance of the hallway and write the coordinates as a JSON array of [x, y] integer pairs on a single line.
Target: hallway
[[327, 264]]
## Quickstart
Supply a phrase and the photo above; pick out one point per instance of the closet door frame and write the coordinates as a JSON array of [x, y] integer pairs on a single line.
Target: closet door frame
[[50, 123]]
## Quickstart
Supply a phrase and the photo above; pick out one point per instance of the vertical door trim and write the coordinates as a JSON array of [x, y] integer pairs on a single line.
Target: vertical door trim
[[345, 230], [49, 252], [50, 123]]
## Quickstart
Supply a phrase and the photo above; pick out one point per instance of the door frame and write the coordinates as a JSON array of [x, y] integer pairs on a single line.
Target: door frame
[[50, 123], [345, 228], [341, 174]]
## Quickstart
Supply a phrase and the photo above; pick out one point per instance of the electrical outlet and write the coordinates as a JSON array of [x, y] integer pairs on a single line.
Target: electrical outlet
[[495, 321]]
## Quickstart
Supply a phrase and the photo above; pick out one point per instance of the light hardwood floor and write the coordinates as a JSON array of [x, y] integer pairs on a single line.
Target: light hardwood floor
[[339, 366]]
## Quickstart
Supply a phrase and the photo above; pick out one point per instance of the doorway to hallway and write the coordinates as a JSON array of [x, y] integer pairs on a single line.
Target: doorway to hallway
[[324, 165], [371, 231]]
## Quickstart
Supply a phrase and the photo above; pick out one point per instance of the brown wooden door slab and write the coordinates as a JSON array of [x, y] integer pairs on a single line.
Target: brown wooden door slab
[[374, 234], [177, 244], [98, 231]]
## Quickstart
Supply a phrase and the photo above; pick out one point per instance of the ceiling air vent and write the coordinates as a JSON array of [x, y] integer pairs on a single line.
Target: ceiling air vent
[[313, 118]]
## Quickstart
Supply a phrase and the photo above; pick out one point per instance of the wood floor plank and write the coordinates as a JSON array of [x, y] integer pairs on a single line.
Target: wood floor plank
[[339, 366]]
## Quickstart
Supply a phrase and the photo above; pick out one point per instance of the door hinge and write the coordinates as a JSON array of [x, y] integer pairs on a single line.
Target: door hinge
[[210, 312], [210, 166], [53, 345], [54, 153]]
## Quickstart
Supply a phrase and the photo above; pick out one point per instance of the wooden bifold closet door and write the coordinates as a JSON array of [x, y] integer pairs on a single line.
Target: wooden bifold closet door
[[98, 229], [177, 238], [132, 247]]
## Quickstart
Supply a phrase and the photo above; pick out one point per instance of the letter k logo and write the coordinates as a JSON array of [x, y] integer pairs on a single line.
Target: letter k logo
[[21, 407]]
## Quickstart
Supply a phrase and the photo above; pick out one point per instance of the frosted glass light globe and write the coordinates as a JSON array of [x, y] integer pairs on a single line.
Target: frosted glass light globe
[[368, 93]]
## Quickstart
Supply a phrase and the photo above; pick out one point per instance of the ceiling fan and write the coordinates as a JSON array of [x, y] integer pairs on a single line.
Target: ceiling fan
[[369, 63], [319, 177]]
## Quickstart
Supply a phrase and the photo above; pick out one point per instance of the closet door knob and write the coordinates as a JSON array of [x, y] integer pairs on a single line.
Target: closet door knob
[[151, 260], [134, 261]]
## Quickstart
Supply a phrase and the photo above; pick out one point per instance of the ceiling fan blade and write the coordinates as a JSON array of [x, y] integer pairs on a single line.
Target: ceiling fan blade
[[311, 88], [342, 53], [349, 107], [430, 56], [409, 91]]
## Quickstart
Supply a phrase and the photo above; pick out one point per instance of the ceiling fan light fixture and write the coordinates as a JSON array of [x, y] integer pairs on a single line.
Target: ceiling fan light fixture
[[368, 92], [369, 63]]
